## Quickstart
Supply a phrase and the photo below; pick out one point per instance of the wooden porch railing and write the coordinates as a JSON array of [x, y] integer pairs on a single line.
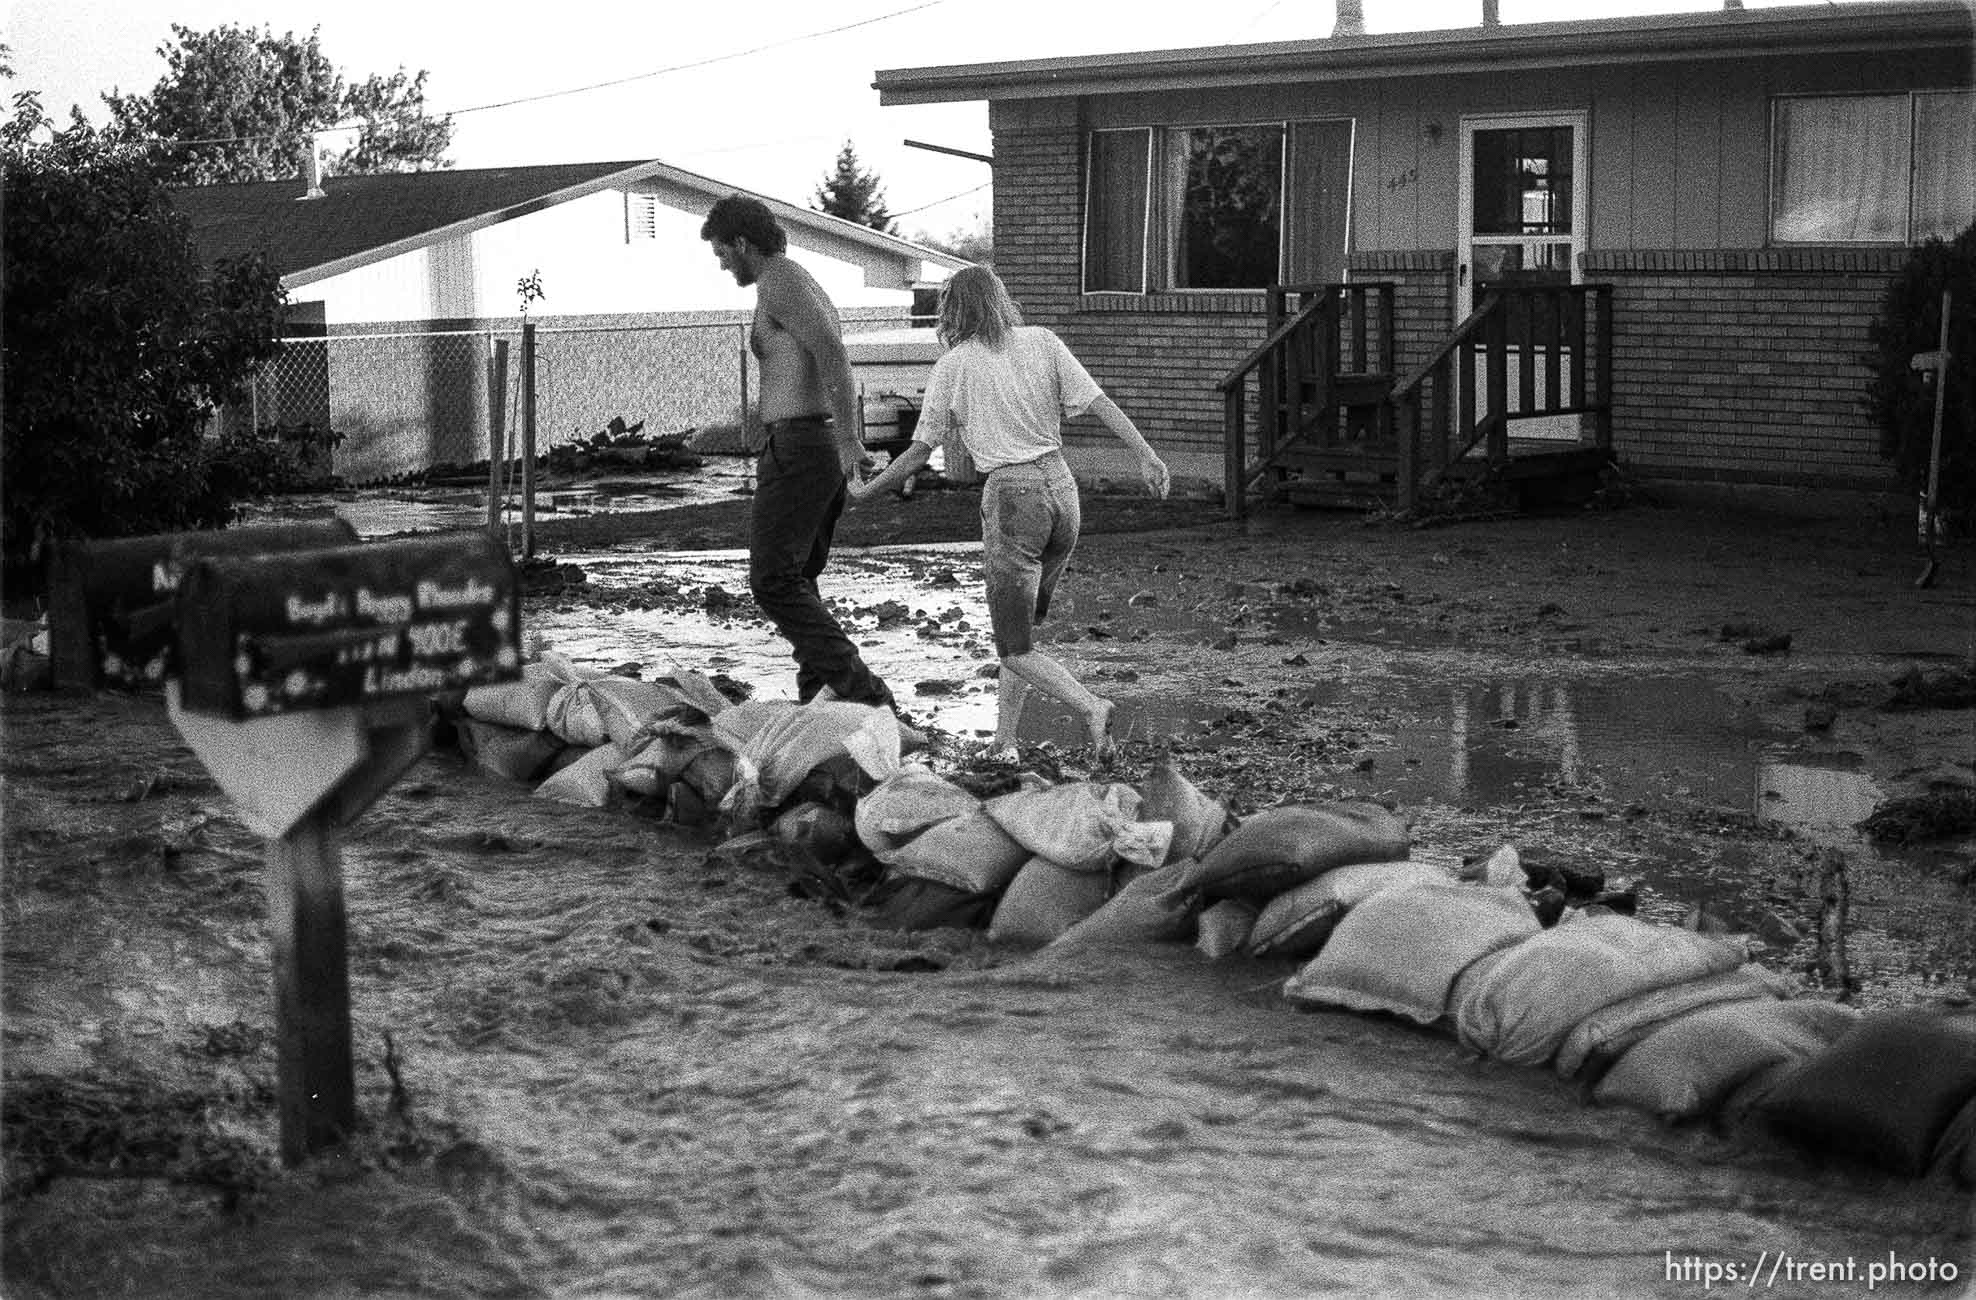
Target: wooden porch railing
[[1329, 349], [1559, 339], [1326, 393]]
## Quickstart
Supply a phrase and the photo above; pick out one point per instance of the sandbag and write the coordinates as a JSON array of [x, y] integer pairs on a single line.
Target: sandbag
[[1601, 1038], [969, 852], [1283, 847], [1401, 949], [904, 805], [591, 706], [915, 904], [824, 832], [1150, 908], [777, 743], [1044, 900], [1198, 821], [522, 704], [1955, 1154], [1072, 824], [1520, 1005], [586, 782], [1225, 927], [507, 752], [1886, 1092], [1296, 922], [1684, 1068]]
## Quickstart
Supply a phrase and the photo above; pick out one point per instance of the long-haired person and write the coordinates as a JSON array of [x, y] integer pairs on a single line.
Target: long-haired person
[[1004, 388]]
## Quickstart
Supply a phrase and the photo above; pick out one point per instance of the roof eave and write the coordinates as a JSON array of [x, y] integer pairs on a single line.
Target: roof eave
[[1518, 47], [610, 180]]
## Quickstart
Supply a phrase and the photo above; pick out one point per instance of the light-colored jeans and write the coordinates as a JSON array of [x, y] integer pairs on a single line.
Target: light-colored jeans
[[1029, 522]]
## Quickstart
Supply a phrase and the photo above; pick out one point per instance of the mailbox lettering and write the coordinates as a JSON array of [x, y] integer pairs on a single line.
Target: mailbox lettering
[[439, 638], [318, 613], [385, 609], [347, 625], [471, 594]]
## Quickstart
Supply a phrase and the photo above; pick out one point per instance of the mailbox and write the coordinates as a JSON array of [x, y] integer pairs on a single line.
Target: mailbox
[[111, 602], [344, 626]]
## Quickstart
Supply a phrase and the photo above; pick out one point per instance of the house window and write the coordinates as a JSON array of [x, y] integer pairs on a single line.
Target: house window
[[1872, 169], [641, 217], [1117, 183], [1216, 207]]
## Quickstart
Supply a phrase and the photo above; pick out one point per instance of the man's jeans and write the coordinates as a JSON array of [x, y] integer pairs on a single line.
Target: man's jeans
[[799, 493]]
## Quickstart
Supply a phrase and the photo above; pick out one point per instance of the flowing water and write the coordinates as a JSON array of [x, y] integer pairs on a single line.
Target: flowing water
[[599, 1066]]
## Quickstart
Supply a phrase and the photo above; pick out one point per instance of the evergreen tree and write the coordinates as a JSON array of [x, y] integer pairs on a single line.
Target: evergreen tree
[[853, 193], [264, 96]]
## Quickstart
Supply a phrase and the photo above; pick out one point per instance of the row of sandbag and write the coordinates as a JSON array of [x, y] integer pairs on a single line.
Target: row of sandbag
[[1659, 1018], [674, 745], [1034, 864], [1667, 1020]]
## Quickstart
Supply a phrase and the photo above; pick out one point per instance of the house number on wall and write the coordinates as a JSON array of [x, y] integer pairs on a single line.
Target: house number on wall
[[1401, 179]]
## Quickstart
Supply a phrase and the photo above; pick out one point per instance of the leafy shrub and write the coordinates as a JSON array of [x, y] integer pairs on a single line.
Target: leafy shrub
[[268, 461], [1901, 402], [119, 346]]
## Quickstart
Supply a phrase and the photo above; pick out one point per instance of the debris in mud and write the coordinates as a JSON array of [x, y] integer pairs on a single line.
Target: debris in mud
[[542, 576], [1953, 688], [93, 1128], [1755, 638], [1919, 818]]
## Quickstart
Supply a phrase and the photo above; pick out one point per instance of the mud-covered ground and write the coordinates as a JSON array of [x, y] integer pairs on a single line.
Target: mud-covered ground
[[596, 1056]]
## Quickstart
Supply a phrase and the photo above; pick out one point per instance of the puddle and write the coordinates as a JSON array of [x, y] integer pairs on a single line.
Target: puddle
[[383, 512]]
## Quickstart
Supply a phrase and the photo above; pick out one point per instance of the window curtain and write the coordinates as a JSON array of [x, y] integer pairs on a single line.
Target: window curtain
[[1840, 170], [1317, 205], [1115, 212], [1944, 164]]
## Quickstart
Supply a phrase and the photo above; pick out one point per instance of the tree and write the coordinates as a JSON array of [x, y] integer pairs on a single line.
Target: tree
[[118, 346], [1901, 402], [854, 194], [976, 245], [261, 97]]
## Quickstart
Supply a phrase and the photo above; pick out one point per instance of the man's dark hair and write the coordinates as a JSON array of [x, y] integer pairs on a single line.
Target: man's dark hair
[[739, 217]]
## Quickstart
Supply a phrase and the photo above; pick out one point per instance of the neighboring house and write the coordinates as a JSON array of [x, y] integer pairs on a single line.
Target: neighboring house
[[1746, 181], [643, 323]]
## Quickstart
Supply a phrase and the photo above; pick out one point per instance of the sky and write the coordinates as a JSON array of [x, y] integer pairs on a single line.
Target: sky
[[779, 86]]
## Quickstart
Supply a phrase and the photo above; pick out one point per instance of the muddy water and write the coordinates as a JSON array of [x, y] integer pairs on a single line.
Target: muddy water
[[627, 1069], [1623, 744]]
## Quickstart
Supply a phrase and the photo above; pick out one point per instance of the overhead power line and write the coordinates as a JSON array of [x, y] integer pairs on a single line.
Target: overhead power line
[[937, 202], [597, 85], [698, 63]]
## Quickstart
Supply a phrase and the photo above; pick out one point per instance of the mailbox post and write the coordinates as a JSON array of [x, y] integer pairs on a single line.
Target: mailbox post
[[303, 687]]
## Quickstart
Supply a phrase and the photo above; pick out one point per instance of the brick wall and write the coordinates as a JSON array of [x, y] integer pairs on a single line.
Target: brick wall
[[1730, 366], [1746, 366]]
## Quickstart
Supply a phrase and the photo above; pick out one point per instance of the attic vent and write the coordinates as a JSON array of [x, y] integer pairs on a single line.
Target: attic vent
[[641, 217]]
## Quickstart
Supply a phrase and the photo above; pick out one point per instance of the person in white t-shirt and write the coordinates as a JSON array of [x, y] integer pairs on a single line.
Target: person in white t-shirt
[[1005, 387]]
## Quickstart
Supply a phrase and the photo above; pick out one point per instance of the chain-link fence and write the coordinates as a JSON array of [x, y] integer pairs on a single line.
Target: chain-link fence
[[406, 403]]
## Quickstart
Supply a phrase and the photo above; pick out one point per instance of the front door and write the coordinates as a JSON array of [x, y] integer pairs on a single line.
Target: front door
[[1521, 217]]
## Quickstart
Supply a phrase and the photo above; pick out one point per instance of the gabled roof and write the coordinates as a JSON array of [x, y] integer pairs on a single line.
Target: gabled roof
[[1892, 25], [364, 219]]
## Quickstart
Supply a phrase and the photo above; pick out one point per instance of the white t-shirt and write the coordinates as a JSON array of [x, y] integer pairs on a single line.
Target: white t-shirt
[[1007, 403]]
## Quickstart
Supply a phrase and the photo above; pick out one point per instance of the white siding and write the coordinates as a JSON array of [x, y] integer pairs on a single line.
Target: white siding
[[589, 267]]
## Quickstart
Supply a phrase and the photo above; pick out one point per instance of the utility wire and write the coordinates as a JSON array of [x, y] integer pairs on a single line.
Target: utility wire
[[937, 202], [599, 85], [698, 63]]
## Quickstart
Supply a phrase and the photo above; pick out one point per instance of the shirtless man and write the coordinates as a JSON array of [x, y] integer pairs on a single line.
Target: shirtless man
[[812, 447]]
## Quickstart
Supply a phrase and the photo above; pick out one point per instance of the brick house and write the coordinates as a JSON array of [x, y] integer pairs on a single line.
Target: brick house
[[1737, 185]]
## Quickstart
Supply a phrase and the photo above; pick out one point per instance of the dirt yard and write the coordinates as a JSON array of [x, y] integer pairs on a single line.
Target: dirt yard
[[598, 1057]]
